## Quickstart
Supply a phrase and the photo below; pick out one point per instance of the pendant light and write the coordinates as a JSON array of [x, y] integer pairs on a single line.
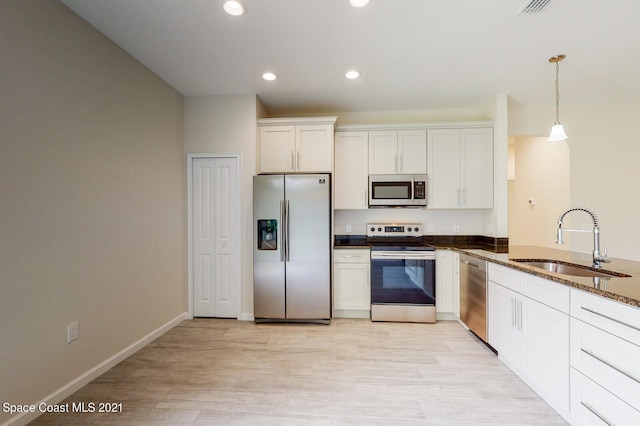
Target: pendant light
[[557, 131]]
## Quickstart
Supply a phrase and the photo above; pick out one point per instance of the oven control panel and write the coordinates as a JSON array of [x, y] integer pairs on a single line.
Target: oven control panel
[[394, 229]]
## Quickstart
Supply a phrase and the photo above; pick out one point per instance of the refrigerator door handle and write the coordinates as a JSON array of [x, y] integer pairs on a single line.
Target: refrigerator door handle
[[282, 232], [286, 230]]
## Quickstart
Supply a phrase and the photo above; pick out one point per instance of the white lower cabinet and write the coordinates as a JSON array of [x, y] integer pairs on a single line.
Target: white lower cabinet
[[592, 404], [531, 337], [351, 283], [605, 354], [445, 286]]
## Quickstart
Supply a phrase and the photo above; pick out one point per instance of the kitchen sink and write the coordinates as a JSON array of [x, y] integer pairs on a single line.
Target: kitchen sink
[[570, 268]]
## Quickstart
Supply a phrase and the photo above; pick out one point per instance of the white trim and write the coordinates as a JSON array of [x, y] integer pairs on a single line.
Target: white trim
[[238, 272], [414, 126], [65, 391], [246, 317], [297, 121]]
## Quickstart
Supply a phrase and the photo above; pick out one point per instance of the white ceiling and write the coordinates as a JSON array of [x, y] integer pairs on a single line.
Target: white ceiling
[[413, 54]]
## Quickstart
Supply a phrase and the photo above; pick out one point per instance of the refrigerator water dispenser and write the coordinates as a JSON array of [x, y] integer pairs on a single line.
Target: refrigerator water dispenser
[[267, 234]]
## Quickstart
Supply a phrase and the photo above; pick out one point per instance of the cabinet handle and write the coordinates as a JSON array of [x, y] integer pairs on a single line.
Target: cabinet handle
[[401, 164], [609, 318], [513, 313], [396, 162], [298, 159], [520, 315], [458, 196], [293, 163], [464, 196], [608, 364], [595, 413]]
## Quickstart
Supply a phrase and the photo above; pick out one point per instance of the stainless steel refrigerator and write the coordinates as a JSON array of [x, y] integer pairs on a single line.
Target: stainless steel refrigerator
[[292, 245]]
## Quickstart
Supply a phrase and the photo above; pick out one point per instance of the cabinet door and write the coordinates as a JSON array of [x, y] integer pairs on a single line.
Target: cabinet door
[[277, 149], [412, 152], [443, 157], [476, 173], [314, 148], [383, 152], [351, 179], [456, 284], [351, 288], [545, 354], [504, 330], [444, 281]]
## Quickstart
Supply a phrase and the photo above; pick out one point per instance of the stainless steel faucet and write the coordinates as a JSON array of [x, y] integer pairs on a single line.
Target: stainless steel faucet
[[597, 258]]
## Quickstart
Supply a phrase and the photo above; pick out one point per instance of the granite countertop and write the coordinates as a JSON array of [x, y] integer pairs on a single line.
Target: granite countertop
[[622, 289]]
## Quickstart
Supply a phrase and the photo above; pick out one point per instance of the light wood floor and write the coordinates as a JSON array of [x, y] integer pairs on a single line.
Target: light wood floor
[[352, 372]]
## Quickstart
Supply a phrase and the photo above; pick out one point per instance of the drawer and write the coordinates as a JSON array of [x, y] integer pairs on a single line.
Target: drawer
[[351, 255], [617, 318], [545, 291], [593, 405], [506, 277], [608, 360], [550, 293]]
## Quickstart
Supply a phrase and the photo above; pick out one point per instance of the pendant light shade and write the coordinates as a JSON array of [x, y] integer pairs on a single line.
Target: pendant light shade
[[557, 131]]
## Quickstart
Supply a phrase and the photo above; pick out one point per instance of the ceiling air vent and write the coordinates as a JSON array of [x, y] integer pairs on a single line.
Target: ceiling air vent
[[535, 6]]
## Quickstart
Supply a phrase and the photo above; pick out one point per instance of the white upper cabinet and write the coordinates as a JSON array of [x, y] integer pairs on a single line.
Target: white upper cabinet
[[412, 152], [277, 149], [351, 178], [460, 164], [397, 152], [303, 145]]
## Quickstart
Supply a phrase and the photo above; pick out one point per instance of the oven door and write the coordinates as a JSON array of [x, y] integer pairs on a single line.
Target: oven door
[[403, 277]]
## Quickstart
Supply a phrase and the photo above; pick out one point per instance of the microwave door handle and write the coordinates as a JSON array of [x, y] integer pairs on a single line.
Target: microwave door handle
[[413, 191]]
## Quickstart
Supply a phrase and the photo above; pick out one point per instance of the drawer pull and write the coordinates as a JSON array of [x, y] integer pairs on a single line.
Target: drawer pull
[[595, 413], [596, 357], [610, 318]]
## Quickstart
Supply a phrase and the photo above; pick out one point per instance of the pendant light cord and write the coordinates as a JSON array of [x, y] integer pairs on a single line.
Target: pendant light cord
[[557, 92]]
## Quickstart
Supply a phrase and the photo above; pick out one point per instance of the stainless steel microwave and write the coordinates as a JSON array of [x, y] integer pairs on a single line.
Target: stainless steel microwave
[[397, 190]]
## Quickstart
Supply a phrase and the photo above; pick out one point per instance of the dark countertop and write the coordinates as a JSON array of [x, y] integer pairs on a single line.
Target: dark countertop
[[622, 289]]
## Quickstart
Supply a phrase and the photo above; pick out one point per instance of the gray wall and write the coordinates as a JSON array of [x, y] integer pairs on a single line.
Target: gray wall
[[92, 199], [227, 125]]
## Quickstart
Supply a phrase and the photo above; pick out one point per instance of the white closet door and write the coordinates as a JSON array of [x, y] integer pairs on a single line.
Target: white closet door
[[216, 280]]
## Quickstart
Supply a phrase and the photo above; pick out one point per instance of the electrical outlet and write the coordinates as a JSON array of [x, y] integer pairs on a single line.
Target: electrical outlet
[[347, 227], [72, 332], [429, 227], [456, 228]]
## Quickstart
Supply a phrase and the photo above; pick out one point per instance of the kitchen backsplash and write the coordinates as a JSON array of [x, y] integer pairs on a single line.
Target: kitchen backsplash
[[435, 222]]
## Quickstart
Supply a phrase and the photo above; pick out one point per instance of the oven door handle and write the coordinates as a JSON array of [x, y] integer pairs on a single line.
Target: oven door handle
[[394, 255]]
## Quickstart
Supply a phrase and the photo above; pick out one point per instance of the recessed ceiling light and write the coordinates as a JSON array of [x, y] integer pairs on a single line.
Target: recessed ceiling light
[[269, 76], [359, 3], [234, 8], [353, 74]]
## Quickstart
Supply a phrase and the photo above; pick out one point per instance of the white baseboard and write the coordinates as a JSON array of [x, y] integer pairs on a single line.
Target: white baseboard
[[60, 394], [446, 316], [246, 317]]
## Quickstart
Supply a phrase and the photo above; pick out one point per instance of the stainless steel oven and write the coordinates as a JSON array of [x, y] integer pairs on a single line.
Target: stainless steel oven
[[403, 277]]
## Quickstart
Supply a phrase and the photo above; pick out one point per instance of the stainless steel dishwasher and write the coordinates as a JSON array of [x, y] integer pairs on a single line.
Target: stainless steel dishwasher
[[473, 294]]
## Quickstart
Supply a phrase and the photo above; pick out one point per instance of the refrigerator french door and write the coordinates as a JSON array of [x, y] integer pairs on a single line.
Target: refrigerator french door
[[292, 247]]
